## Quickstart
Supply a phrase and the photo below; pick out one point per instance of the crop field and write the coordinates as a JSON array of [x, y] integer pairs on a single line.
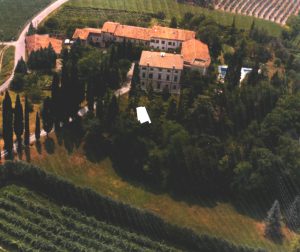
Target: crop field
[[7, 56], [14, 15], [172, 8], [241, 224], [30, 222]]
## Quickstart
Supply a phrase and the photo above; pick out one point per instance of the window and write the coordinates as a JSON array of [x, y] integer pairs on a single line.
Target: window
[[159, 76], [144, 68], [158, 85], [176, 71], [163, 48], [143, 75], [151, 69], [174, 87], [175, 78], [159, 69], [163, 42], [168, 77], [170, 43], [143, 83], [152, 41], [157, 41], [169, 70], [150, 76], [173, 43]]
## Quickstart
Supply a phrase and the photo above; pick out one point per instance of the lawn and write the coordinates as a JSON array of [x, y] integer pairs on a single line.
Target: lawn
[[6, 62], [173, 8], [221, 219], [15, 13]]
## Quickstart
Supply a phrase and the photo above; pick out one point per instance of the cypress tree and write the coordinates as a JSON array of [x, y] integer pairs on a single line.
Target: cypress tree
[[112, 112], [47, 115], [272, 222], [90, 96], [172, 110], [7, 115], [27, 131], [173, 23], [293, 214], [99, 109], [37, 127], [21, 67], [55, 97], [18, 121]]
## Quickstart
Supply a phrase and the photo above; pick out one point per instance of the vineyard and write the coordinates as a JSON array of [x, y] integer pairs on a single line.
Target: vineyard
[[31, 223], [273, 10]]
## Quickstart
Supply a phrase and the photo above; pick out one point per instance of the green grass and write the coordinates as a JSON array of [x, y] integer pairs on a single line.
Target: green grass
[[217, 218], [7, 63], [15, 13], [31, 221], [172, 8]]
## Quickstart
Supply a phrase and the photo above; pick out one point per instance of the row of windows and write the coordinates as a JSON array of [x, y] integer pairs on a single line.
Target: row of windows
[[159, 86], [150, 76], [163, 42], [159, 69]]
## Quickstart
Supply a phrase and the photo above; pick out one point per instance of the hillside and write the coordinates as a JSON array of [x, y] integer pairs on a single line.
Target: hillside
[[276, 11], [30, 221], [91, 12], [15, 13], [205, 216]]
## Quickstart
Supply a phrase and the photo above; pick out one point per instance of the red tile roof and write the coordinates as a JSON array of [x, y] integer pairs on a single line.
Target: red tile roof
[[83, 33], [171, 33], [36, 42], [161, 60], [195, 53], [110, 27], [133, 32]]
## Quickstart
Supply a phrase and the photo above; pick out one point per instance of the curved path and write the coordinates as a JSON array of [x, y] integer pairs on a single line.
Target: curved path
[[20, 43]]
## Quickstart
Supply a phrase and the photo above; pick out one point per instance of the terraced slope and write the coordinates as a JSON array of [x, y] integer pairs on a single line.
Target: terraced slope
[[29, 222], [273, 10]]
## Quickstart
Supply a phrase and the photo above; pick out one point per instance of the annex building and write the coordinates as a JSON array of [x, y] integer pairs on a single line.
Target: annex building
[[178, 48], [36, 42]]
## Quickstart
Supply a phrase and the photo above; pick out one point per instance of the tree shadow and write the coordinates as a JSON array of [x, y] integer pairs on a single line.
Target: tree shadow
[[20, 152], [38, 147], [49, 145], [28, 154]]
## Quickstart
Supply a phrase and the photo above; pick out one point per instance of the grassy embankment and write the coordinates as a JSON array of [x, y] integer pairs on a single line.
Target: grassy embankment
[[15, 13], [217, 218], [171, 8]]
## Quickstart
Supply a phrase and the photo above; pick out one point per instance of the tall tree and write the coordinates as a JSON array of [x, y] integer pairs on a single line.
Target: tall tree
[[37, 127], [27, 130], [47, 116], [7, 115], [55, 97], [112, 112], [233, 74], [272, 222], [90, 96], [173, 23], [21, 67], [18, 121], [172, 110]]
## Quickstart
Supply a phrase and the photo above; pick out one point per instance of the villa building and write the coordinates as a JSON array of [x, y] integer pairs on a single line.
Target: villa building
[[161, 70]]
